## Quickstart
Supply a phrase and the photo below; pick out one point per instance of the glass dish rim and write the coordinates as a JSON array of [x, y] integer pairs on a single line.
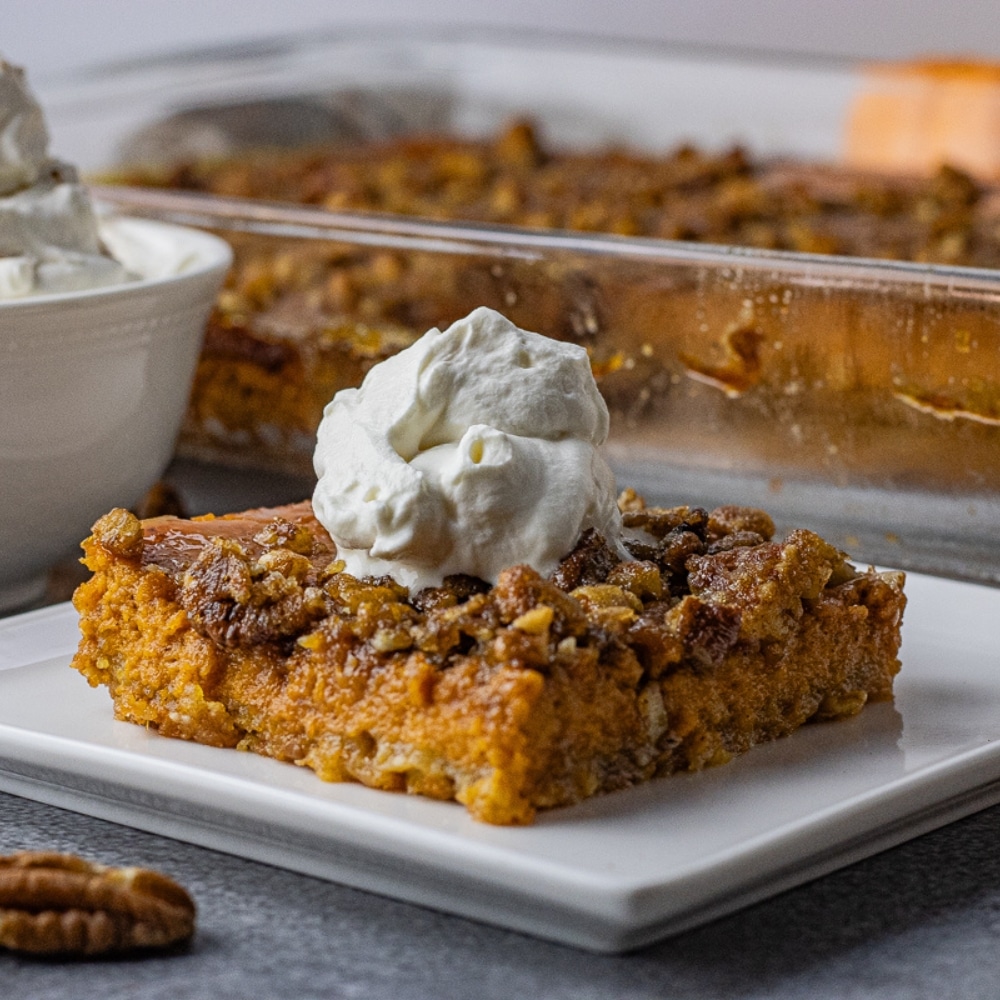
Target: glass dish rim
[[414, 32], [285, 219]]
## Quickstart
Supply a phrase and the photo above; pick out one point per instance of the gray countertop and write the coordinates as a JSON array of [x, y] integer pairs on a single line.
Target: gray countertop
[[921, 920]]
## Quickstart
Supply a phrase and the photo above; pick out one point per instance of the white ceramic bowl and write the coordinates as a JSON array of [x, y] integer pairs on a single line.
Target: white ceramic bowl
[[93, 387]]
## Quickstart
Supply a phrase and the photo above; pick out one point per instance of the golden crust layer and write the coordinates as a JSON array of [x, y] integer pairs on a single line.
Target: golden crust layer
[[243, 632]]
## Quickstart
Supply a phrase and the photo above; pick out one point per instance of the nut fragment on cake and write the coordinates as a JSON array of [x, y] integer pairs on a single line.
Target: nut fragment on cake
[[62, 905]]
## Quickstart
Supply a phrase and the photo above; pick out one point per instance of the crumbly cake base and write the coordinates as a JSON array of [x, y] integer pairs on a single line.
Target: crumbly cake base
[[243, 632]]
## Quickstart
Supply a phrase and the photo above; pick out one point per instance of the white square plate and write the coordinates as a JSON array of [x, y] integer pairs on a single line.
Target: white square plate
[[611, 874]]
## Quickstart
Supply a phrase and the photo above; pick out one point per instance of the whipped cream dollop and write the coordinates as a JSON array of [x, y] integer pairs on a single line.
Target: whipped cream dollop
[[49, 240], [474, 449]]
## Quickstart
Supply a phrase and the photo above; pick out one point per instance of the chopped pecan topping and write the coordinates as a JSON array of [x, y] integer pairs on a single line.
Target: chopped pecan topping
[[737, 540], [767, 583], [120, 532], [675, 550], [708, 631], [588, 563], [283, 534], [698, 583], [238, 601], [660, 521], [638, 577], [731, 519], [59, 904], [657, 645], [456, 589], [520, 589]]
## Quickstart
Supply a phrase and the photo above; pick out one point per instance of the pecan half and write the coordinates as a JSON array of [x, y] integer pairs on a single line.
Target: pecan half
[[60, 904]]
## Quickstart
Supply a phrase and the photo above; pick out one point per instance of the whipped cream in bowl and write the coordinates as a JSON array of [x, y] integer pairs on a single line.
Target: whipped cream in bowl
[[49, 235], [473, 450], [101, 322]]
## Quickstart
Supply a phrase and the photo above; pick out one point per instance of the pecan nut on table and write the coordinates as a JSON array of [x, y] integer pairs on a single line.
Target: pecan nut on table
[[62, 905]]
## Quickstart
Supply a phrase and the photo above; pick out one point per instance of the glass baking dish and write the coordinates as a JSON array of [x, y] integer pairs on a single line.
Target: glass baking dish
[[857, 397]]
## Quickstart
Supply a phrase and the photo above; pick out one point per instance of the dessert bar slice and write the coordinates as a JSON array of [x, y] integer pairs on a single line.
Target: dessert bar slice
[[243, 631]]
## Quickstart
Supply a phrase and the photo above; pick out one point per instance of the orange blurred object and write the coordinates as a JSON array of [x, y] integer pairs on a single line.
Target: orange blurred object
[[913, 116]]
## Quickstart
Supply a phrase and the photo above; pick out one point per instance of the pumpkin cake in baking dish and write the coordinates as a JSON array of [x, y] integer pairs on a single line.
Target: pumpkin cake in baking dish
[[300, 319], [244, 631]]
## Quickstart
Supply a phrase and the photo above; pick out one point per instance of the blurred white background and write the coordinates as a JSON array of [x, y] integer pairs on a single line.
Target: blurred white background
[[51, 36]]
